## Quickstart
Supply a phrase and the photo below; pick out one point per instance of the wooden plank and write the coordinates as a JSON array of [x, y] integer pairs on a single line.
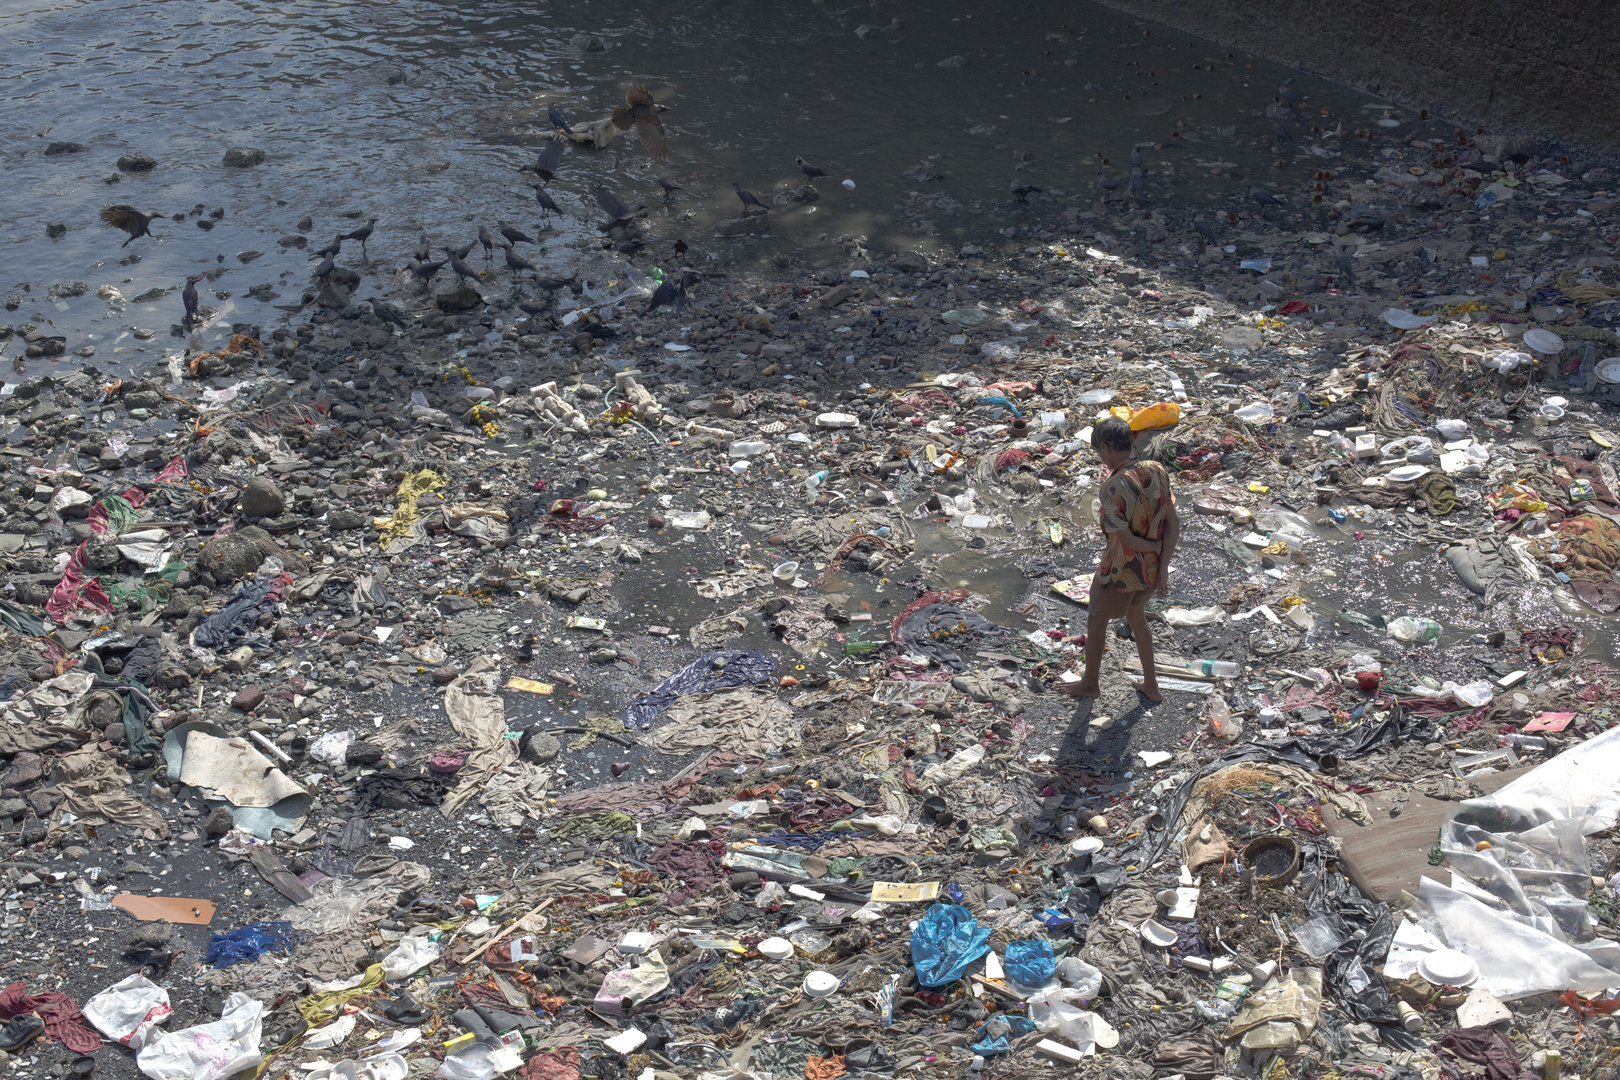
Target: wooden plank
[[1391, 854]]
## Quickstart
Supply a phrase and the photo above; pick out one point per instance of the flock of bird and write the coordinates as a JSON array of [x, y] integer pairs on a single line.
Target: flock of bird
[[641, 113]]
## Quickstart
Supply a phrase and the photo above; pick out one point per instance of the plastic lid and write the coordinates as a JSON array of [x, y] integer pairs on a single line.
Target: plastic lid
[[819, 984], [1448, 967], [1086, 845], [1543, 341], [776, 948]]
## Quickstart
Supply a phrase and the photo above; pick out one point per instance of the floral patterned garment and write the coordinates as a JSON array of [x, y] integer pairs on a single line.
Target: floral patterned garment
[[1136, 498]]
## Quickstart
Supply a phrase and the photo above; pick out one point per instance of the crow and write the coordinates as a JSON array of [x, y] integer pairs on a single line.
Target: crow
[[533, 309], [618, 213], [362, 234], [1021, 191], [325, 268], [512, 234], [641, 112], [424, 270], [1264, 197], [557, 120], [388, 313], [669, 186], [188, 296], [462, 251], [551, 284], [517, 263], [334, 248], [1203, 228], [547, 204], [545, 165], [488, 242], [747, 196], [126, 217], [809, 170], [1138, 183], [423, 249], [1341, 259], [671, 292], [461, 269]]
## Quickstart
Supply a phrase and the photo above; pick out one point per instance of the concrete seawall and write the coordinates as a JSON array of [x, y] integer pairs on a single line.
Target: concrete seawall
[[1550, 68]]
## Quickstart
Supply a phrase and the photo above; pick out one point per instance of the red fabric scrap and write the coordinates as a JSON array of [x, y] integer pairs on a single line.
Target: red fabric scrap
[[1009, 458], [75, 591], [1295, 307]]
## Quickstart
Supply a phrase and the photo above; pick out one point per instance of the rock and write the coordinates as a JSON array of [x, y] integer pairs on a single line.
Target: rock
[[137, 162], [105, 711], [835, 296], [743, 226], [461, 298], [445, 674], [248, 698], [33, 831], [25, 768], [1503, 147], [262, 499], [334, 295], [56, 148], [243, 157], [219, 822], [344, 520], [150, 400], [542, 748], [101, 553], [12, 808]]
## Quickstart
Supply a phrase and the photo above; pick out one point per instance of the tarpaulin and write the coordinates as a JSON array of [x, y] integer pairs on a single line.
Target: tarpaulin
[[945, 942], [739, 667], [229, 627]]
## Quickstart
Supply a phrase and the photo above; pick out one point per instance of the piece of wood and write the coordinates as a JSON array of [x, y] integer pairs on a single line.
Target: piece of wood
[[1390, 855]]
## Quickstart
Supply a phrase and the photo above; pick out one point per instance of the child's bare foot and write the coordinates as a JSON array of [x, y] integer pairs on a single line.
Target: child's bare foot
[[1079, 690], [1152, 693]]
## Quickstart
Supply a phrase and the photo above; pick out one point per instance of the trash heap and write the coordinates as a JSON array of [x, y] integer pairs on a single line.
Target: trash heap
[[367, 710]]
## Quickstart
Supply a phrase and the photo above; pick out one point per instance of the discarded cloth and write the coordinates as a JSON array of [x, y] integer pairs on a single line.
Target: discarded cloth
[[927, 629], [746, 720], [95, 791], [406, 528], [63, 1020], [1484, 1046], [475, 708], [717, 671], [230, 626], [76, 592]]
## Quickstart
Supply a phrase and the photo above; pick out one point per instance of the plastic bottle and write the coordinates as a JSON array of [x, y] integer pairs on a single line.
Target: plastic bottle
[[747, 448], [1220, 669], [1407, 628], [1523, 742], [813, 483]]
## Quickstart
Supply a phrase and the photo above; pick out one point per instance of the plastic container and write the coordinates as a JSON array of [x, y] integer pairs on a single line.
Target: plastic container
[[1524, 742], [1223, 726], [1408, 629], [1451, 430], [1258, 413], [1201, 616], [748, 447], [786, 571], [687, 519], [740, 466], [975, 521]]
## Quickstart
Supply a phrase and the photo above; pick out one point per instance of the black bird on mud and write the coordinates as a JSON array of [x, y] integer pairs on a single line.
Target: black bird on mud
[[423, 270], [126, 217], [188, 297], [547, 204], [460, 268], [463, 251], [529, 307], [1021, 191], [545, 165], [335, 248], [557, 121], [388, 313], [1203, 228], [517, 263], [325, 268], [618, 213], [629, 247], [641, 112], [551, 284], [1264, 197], [488, 242], [809, 170], [669, 186], [671, 291], [423, 249], [1138, 183], [747, 196], [362, 234], [512, 234]]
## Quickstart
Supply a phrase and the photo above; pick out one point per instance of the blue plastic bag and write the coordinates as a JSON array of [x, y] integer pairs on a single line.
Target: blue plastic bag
[[945, 942], [249, 942], [1030, 963]]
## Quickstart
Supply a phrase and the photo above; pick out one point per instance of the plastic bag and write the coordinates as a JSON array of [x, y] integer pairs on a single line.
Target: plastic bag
[[249, 943], [1080, 977], [410, 956], [1030, 963], [1163, 414], [128, 1011], [1070, 1022], [945, 942], [208, 1051]]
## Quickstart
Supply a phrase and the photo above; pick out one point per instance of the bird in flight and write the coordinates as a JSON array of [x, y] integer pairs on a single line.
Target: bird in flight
[[126, 217], [641, 112]]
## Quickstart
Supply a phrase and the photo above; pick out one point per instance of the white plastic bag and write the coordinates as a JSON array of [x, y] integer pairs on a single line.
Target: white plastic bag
[[1079, 976], [128, 1011], [208, 1051], [411, 955]]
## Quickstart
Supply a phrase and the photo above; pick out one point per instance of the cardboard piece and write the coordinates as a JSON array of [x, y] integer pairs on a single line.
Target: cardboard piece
[[172, 909]]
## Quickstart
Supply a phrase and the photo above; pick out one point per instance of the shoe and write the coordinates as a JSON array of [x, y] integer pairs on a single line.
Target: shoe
[[19, 1031]]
